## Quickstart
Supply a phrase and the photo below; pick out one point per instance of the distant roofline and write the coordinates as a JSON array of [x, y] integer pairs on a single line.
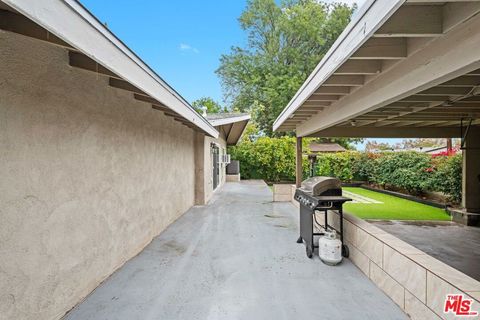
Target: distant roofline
[[233, 119]]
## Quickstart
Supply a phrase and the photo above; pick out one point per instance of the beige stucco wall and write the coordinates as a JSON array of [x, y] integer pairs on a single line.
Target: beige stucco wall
[[204, 166], [87, 176], [208, 163]]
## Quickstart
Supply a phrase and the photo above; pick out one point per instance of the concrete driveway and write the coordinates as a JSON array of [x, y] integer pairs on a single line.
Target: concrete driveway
[[236, 258]]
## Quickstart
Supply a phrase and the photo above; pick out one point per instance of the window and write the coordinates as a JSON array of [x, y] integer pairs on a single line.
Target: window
[[226, 158]]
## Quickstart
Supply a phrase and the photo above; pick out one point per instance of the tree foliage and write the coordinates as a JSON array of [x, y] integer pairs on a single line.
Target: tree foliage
[[211, 105], [406, 144], [271, 159], [423, 143], [405, 170], [447, 176], [373, 145], [285, 43]]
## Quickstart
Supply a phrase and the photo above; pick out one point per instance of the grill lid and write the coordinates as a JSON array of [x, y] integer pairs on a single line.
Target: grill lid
[[318, 185]]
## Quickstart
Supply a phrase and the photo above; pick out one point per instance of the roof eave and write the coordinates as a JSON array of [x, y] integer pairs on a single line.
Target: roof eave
[[370, 17], [85, 33], [221, 122], [241, 133]]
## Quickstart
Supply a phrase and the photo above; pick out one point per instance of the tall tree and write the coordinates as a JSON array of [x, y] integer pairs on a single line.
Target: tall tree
[[373, 145], [423, 143], [211, 105], [285, 43]]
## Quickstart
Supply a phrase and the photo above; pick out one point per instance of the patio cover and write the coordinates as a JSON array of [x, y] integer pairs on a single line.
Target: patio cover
[[400, 69]]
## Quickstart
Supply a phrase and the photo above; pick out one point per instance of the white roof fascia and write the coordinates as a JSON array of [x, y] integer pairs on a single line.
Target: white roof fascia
[[241, 133], [221, 122], [432, 65], [75, 25], [372, 15]]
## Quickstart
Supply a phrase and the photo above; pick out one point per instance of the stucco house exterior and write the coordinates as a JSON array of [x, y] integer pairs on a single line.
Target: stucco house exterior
[[230, 127], [98, 156]]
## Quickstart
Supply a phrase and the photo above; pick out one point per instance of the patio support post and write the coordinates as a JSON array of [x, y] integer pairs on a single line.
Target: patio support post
[[298, 167], [471, 172]]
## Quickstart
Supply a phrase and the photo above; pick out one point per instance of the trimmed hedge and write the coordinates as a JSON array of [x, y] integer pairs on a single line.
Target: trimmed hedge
[[273, 159], [404, 170], [447, 176], [414, 172]]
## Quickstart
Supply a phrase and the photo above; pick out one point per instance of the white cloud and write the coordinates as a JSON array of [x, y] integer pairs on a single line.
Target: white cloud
[[186, 48]]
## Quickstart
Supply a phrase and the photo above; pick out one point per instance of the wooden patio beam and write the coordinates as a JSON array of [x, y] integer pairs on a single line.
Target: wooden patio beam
[[382, 49], [345, 80], [413, 21], [332, 90], [298, 163], [359, 67]]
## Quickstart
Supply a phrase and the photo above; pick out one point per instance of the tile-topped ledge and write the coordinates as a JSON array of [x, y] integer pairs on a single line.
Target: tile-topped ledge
[[414, 280], [233, 177], [282, 192]]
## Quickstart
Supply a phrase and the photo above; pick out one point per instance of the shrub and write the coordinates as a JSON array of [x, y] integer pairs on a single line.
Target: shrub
[[447, 176], [271, 159], [405, 170], [364, 166], [340, 165]]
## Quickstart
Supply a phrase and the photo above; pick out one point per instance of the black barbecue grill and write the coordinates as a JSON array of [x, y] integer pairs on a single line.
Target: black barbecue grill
[[319, 194]]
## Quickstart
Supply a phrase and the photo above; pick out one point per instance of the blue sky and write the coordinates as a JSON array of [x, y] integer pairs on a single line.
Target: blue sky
[[181, 40]]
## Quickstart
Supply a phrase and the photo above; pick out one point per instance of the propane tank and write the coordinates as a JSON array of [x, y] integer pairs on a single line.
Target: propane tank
[[330, 248]]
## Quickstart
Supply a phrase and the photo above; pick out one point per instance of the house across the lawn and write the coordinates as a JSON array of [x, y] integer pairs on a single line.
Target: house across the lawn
[[315, 148]]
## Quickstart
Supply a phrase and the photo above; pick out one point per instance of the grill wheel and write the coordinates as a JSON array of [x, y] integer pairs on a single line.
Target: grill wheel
[[345, 251], [309, 252]]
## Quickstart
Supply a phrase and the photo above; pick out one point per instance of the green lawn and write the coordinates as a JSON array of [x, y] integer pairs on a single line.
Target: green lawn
[[392, 208]]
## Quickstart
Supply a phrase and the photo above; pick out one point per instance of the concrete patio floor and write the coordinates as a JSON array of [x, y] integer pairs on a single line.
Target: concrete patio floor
[[236, 258]]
